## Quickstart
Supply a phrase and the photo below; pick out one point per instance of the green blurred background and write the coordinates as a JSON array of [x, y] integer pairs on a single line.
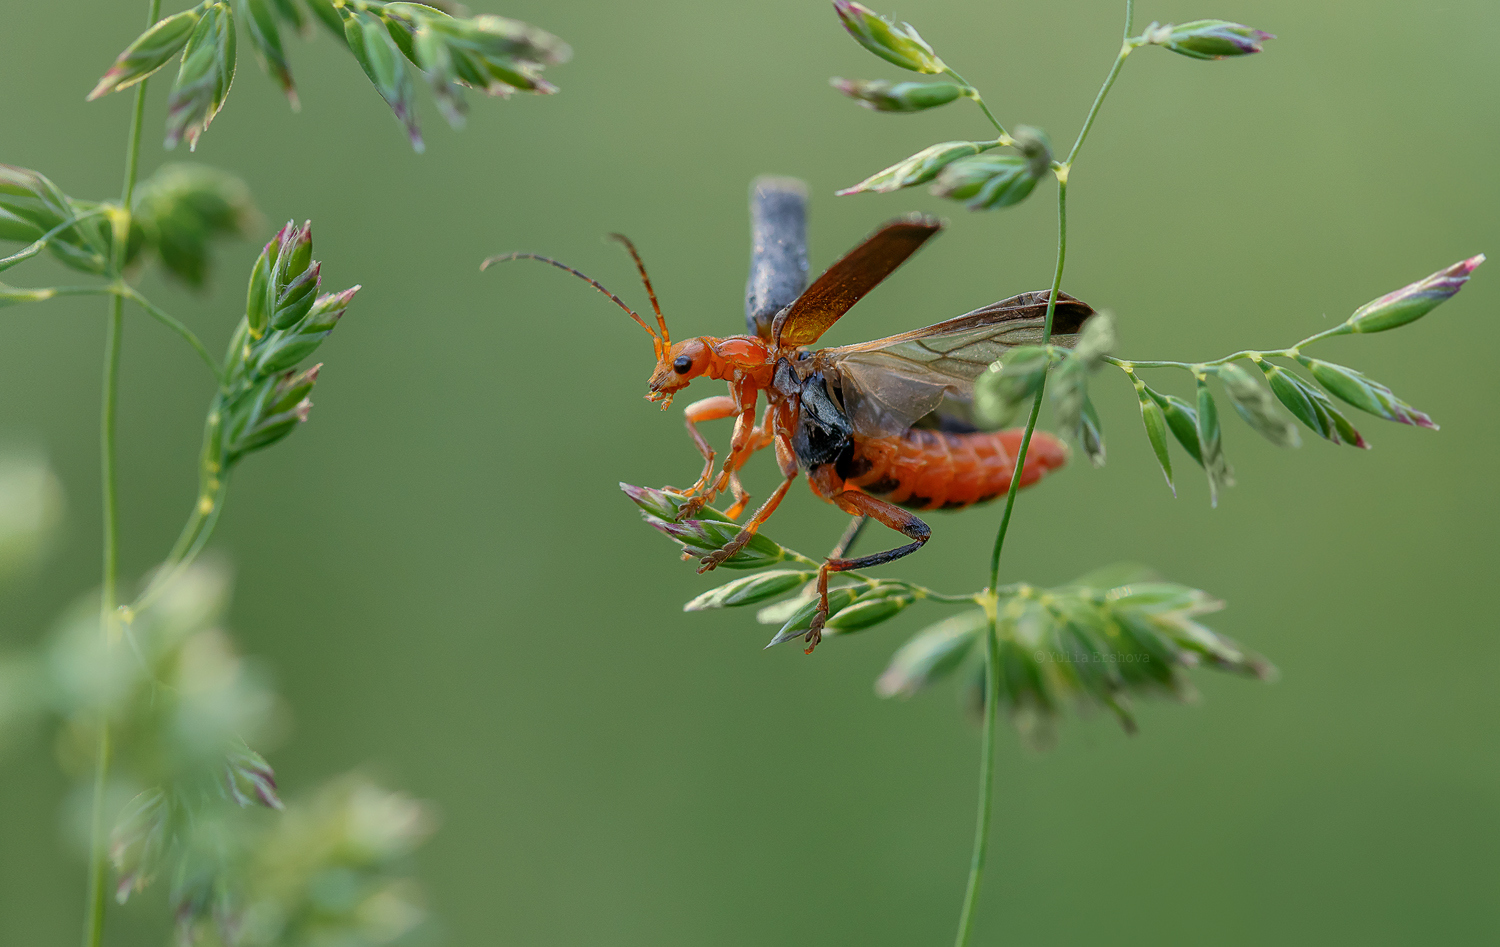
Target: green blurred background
[[450, 589]]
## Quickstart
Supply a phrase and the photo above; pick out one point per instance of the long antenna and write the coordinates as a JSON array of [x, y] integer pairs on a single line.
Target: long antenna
[[660, 341], [660, 319]]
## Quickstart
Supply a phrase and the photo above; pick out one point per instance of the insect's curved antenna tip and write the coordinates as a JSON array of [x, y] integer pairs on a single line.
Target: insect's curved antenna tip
[[497, 258], [521, 255], [661, 320]]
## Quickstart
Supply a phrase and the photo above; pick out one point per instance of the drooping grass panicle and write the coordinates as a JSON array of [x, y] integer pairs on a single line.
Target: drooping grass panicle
[[1303, 400], [175, 216], [394, 43], [1099, 640]]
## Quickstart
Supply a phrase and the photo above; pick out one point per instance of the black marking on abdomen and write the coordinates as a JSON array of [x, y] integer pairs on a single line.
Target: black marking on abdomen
[[852, 463]]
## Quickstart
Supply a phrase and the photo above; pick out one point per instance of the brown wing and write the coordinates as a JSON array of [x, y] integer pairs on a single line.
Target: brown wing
[[889, 383], [847, 281]]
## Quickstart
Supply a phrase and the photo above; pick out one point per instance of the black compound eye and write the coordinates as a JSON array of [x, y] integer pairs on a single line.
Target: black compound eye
[[682, 365]]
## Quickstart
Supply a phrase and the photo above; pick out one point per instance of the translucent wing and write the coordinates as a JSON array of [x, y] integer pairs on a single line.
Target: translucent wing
[[890, 383], [844, 283]]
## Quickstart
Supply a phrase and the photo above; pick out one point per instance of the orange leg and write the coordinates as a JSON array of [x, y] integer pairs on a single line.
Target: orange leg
[[826, 484], [746, 440], [747, 533], [709, 409], [760, 438], [741, 496], [788, 462]]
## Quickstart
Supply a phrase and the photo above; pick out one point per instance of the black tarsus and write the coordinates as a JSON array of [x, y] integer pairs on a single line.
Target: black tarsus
[[890, 555]]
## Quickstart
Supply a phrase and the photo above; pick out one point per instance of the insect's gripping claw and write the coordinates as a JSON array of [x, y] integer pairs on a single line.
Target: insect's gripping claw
[[701, 488], [815, 632], [693, 502], [693, 505], [714, 559], [820, 617]]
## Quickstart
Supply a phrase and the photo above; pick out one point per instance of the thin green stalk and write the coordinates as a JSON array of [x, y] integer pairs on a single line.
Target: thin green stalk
[[45, 293], [1125, 47], [194, 536], [159, 315], [979, 101], [93, 933], [1289, 352], [93, 930], [992, 643], [79, 290], [1036, 404], [213, 484], [986, 777]]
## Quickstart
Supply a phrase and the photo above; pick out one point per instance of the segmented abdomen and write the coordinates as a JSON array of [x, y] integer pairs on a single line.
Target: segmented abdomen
[[937, 470]]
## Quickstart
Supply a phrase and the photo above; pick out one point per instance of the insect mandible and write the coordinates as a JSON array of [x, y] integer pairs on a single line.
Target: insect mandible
[[878, 426]]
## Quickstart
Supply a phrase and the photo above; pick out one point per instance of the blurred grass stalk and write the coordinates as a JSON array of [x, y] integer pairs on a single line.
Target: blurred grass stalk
[[164, 702], [93, 934]]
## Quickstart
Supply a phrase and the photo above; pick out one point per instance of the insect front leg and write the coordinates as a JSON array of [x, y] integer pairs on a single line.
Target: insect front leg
[[788, 462], [829, 486], [739, 451], [760, 437], [709, 409]]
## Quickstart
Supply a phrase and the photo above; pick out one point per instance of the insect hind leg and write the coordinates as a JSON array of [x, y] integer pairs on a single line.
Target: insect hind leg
[[851, 535], [860, 504]]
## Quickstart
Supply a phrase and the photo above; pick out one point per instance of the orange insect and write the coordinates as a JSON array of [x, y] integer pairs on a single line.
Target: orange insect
[[864, 421]]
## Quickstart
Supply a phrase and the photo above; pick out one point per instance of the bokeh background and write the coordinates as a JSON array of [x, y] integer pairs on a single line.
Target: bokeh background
[[450, 590]]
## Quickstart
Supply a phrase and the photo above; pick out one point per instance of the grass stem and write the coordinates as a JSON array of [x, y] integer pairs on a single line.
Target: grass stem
[[992, 642], [93, 928]]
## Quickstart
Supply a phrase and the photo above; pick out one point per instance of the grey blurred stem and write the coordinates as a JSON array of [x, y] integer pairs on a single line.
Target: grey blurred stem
[[992, 644], [93, 929]]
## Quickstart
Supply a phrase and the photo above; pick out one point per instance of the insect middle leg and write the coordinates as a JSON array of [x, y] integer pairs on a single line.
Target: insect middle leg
[[827, 485], [788, 462]]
